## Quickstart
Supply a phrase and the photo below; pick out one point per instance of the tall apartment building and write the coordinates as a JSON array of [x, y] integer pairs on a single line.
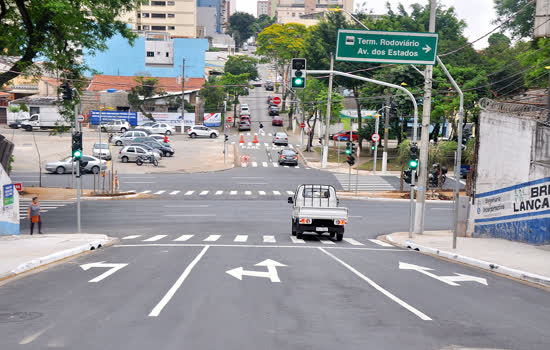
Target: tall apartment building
[[176, 17], [288, 9], [262, 8]]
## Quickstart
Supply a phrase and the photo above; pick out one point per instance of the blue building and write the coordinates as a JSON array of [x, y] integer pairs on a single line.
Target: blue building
[[212, 4], [155, 54]]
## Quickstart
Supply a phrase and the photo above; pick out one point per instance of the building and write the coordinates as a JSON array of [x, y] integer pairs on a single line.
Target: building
[[211, 13], [232, 6], [262, 8], [273, 7], [294, 9], [177, 17]]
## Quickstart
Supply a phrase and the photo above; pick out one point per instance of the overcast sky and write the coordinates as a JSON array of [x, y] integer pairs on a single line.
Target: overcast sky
[[478, 14]]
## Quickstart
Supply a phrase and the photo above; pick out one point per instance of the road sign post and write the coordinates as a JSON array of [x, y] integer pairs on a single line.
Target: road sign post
[[386, 47]]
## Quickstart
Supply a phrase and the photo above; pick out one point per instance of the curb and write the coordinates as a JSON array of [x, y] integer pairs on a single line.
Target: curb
[[522, 275], [64, 254], [381, 199], [109, 198]]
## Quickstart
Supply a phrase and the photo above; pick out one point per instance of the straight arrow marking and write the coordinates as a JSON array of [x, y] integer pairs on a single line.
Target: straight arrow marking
[[271, 272], [113, 268]]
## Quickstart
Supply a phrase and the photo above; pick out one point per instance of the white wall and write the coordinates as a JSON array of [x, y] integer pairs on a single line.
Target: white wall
[[9, 215]]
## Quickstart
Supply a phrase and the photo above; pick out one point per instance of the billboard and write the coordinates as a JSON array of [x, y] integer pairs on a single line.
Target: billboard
[[106, 116], [212, 119]]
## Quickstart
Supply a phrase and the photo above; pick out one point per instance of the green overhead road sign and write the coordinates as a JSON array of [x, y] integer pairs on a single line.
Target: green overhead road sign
[[386, 47]]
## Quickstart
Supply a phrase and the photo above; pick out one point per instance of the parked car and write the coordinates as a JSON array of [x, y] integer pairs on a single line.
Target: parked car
[[465, 170], [269, 86], [157, 152], [245, 117], [200, 130], [115, 126], [160, 138], [128, 137], [273, 110], [147, 131], [130, 153], [269, 99], [315, 208], [280, 138], [288, 156], [244, 125], [146, 125], [65, 165], [244, 108], [160, 128], [101, 150], [277, 121], [164, 148], [344, 136], [16, 124]]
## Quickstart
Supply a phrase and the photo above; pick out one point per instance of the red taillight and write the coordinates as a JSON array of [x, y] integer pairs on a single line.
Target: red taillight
[[120, 152], [296, 157], [286, 138]]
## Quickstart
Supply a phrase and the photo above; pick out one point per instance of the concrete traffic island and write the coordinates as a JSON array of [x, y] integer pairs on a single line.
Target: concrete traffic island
[[513, 259]]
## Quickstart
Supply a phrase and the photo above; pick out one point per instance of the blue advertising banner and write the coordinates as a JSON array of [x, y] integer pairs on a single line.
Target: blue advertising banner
[[212, 119], [8, 195], [106, 116]]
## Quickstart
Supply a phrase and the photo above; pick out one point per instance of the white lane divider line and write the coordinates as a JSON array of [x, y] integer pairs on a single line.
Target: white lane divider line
[[188, 193], [297, 240], [254, 164], [297, 167], [269, 239], [173, 193], [286, 166], [376, 286], [247, 134], [145, 191], [248, 193], [218, 193], [183, 238], [262, 193], [159, 192], [352, 241], [154, 238], [249, 143], [270, 134], [128, 237], [232, 193], [326, 241], [241, 238], [290, 145], [212, 238], [162, 303], [266, 145], [276, 193], [264, 164], [381, 243], [290, 193], [275, 164], [204, 193]]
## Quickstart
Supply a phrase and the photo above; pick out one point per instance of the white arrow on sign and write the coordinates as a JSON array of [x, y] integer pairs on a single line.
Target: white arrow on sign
[[113, 268], [450, 280], [271, 272], [427, 48]]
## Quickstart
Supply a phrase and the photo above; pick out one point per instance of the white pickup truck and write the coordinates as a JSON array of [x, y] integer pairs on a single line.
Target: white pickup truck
[[315, 209], [44, 121]]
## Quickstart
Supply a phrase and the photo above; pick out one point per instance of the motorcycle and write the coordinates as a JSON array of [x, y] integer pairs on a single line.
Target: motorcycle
[[433, 176], [147, 159]]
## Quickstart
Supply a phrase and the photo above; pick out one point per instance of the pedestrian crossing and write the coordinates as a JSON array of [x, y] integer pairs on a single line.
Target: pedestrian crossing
[[252, 239], [268, 146], [254, 164], [216, 193], [365, 182], [45, 205]]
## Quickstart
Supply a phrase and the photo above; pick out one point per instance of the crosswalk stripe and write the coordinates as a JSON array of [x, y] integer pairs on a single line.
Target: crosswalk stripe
[[297, 167], [275, 164], [265, 144], [277, 193], [269, 239], [183, 238], [381, 243], [188, 193], [241, 238], [204, 193], [352, 241], [270, 134], [247, 134], [326, 241], [154, 238], [145, 191], [131, 237], [233, 193], [290, 145], [254, 164], [212, 238], [286, 166], [248, 193], [290, 193], [159, 192], [262, 193], [264, 164], [218, 193], [174, 193], [297, 240]]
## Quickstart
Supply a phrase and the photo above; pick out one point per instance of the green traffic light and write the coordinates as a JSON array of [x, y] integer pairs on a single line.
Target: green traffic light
[[298, 82], [348, 151], [77, 154], [413, 163]]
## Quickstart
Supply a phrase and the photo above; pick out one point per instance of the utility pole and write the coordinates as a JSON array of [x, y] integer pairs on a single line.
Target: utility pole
[[327, 116], [377, 122], [386, 131], [183, 94], [424, 138]]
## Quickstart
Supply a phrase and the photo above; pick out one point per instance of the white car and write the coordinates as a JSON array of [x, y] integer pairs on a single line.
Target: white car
[[200, 130], [101, 150], [245, 109], [159, 128], [115, 126]]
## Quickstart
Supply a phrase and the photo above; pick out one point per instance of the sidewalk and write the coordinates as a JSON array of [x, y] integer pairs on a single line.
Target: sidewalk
[[21, 253], [519, 260]]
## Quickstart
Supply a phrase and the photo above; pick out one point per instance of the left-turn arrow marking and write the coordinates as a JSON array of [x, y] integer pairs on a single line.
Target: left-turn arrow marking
[[113, 268]]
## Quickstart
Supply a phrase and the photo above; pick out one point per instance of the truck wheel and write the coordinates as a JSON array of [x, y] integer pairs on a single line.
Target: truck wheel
[[293, 228], [339, 236], [299, 234], [332, 234], [28, 128]]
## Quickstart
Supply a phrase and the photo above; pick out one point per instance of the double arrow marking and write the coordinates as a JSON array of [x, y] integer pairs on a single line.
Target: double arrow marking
[[271, 272], [450, 280]]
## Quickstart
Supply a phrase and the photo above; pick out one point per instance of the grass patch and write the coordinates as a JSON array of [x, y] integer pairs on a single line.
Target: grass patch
[[391, 166]]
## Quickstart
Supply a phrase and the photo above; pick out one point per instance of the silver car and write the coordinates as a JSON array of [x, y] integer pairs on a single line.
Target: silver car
[[92, 164], [128, 137], [101, 150], [130, 153], [280, 138]]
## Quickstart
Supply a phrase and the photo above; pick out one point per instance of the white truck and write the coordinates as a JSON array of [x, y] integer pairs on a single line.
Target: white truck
[[315, 208], [44, 121]]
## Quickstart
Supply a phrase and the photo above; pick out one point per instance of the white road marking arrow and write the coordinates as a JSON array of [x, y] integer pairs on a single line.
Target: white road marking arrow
[[113, 268], [450, 280], [271, 272], [427, 48]]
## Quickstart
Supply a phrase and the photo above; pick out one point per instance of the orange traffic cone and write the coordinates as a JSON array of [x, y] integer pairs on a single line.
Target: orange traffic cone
[[242, 139], [255, 139]]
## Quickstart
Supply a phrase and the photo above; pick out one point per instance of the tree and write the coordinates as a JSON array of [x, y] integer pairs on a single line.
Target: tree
[[521, 26], [58, 31], [212, 94], [263, 22], [310, 103], [242, 64], [235, 86], [241, 27], [139, 96]]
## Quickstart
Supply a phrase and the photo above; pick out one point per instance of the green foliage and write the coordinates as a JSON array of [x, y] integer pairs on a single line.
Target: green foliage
[[242, 64], [521, 26], [10, 164], [14, 108], [367, 129], [404, 154], [442, 153], [213, 94], [282, 42], [58, 31], [241, 27], [469, 153], [235, 86], [263, 22], [138, 97]]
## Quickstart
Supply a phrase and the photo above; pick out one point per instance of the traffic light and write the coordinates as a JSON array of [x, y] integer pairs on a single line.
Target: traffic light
[[226, 138], [393, 109], [298, 73], [348, 147], [66, 93], [77, 145], [413, 162], [351, 153], [353, 148]]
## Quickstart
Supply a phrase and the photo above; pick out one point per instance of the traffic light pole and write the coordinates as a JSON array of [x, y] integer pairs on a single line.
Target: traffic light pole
[[375, 144], [78, 178], [411, 207], [327, 116]]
